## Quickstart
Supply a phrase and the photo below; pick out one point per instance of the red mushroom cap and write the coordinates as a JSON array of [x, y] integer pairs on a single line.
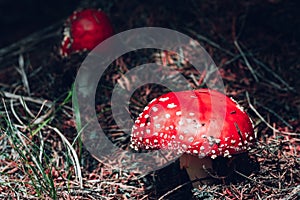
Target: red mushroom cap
[[84, 30], [171, 122]]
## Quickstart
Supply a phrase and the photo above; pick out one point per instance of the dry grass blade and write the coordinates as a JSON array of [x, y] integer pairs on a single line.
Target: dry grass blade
[[246, 60], [21, 70], [74, 156]]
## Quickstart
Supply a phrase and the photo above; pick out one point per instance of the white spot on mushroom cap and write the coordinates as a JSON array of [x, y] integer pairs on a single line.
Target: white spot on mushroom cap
[[237, 105], [178, 113], [191, 139], [197, 126], [142, 125], [240, 107], [155, 109], [171, 105], [226, 153], [163, 99], [210, 138], [157, 125], [153, 100], [167, 116], [180, 123]]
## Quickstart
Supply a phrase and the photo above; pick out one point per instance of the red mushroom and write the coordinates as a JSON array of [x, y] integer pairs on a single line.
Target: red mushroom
[[171, 122], [84, 30]]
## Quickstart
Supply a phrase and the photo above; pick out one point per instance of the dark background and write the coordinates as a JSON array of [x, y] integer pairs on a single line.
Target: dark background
[[279, 18], [269, 28], [18, 18]]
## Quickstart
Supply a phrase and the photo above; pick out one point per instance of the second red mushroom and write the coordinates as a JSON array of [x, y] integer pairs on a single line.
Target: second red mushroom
[[84, 30]]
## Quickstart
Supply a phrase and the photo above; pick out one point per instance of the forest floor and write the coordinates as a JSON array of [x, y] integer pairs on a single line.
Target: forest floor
[[255, 45]]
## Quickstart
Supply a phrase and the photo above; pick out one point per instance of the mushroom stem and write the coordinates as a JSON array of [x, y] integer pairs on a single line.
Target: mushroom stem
[[197, 168]]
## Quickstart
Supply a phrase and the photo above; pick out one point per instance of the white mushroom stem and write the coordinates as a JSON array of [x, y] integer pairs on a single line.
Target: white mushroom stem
[[197, 168]]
